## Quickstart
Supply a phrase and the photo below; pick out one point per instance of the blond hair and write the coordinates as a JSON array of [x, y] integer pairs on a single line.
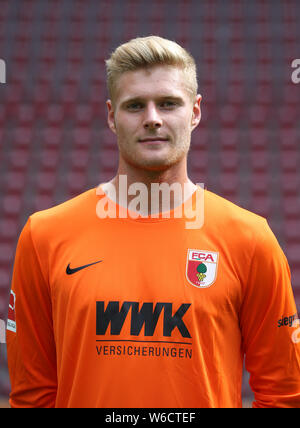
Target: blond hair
[[144, 52]]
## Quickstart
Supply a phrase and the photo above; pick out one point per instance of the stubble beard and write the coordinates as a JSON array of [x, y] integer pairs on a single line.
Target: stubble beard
[[163, 163]]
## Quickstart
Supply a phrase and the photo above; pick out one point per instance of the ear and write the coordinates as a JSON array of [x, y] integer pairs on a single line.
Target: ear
[[196, 116], [111, 116]]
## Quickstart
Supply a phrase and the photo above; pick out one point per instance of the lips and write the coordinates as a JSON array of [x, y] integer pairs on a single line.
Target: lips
[[152, 139]]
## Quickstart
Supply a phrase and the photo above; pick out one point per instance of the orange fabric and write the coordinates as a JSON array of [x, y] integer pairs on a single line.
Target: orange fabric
[[132, 330]]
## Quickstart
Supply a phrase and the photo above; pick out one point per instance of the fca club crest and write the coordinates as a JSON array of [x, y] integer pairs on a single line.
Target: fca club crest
[[201, 268]]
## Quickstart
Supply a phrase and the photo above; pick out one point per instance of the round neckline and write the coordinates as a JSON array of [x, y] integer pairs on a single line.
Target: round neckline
[[123, 213]]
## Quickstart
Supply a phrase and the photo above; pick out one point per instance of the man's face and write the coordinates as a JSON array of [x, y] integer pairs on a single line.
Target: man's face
[[153, 117]]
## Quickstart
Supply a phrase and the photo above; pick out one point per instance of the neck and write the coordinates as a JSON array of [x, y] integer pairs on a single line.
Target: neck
[[157, 191]]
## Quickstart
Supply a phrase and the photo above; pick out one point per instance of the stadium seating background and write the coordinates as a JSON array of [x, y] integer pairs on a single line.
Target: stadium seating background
[[54, 141]]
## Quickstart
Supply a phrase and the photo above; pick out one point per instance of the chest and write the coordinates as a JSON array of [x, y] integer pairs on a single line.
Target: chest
[[146, 285]]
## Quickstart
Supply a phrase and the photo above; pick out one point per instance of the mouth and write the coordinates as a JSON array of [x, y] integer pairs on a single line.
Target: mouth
[[153, 140]]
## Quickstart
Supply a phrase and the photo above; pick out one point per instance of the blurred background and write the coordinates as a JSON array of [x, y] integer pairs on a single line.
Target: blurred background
[[54, 140]]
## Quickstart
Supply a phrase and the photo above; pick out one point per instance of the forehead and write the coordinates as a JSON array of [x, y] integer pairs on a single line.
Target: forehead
[[151, 82]]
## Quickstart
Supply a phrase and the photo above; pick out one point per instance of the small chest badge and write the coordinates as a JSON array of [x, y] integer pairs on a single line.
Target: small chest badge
[[201, 267]]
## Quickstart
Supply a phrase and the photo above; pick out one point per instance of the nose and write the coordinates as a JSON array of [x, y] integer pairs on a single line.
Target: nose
[[152, 119]]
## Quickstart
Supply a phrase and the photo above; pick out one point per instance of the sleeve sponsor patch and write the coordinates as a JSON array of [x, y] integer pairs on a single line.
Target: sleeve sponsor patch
[[287, 321], [11, 317]]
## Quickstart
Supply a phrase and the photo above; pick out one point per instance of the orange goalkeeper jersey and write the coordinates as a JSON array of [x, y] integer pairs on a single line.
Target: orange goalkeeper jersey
[[148, 313]]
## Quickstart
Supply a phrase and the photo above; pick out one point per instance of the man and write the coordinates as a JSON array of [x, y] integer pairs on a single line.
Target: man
[[140, 310]]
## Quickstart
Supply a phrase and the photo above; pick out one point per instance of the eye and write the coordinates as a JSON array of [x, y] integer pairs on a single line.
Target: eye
[[134, 106], [168, 104]]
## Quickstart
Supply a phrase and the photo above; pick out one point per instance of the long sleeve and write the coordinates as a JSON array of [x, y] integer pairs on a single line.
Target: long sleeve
[[267, 316], [30, 339]]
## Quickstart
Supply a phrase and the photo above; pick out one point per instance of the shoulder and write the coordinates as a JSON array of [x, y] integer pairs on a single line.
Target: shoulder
[[235, 222], [243, 235], [67, 215], [229, 212], [68, 206]]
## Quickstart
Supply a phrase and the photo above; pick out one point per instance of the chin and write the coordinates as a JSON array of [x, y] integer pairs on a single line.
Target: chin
[[157, 164]]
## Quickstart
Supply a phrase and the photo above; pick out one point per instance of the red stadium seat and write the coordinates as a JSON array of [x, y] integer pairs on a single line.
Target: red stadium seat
[[19, 159], [259, 161], [8, 229], [291, 230], [289, 161], [52, 137], [229, 161], [109, 159], [199, 160], [293, 254], [228, 183], [49, 159], [46, 182], [79, 160], [260, 184], [42, 202], [291, 207], [262, 206], [15, 182]]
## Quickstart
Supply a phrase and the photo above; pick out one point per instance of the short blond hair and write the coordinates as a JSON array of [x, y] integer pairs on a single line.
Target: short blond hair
[[145, 52]]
